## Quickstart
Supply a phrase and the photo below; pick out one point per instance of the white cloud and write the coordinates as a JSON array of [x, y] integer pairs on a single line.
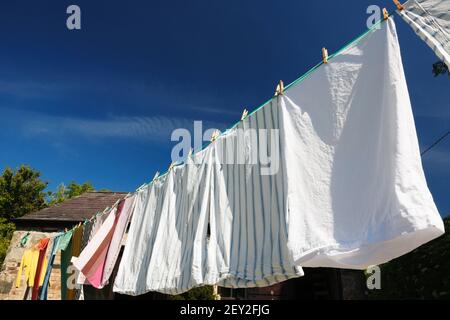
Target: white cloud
[[157, 128], [34, 89]]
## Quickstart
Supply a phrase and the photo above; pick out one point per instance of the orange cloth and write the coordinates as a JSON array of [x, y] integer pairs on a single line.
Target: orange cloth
[[40, 268]]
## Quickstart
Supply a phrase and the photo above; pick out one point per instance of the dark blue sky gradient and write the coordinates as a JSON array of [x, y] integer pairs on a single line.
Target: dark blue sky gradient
[[99, 104]]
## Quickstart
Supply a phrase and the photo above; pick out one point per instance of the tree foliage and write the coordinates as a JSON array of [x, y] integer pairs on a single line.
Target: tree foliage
[[200, 293], [6, 232], [64, 192], [21, 192]]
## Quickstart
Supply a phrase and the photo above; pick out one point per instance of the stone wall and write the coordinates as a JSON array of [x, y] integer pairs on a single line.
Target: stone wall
[[10, 268]]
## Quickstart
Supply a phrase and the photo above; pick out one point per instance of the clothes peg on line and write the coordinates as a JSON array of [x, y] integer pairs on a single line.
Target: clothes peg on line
[[155, 176], [324, 55], [139, 189], [400, 7], [244, 115], [385, 14], [280, 88], [171, 166], [129, 194], [190, 152], [116, 203], [215, 135]]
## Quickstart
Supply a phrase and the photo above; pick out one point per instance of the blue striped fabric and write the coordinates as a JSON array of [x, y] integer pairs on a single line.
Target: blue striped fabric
[[430, 19], [258, 253], [214, 220]]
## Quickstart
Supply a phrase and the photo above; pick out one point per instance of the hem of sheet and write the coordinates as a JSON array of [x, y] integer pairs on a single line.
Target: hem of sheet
[[335, 256], [229, 280]]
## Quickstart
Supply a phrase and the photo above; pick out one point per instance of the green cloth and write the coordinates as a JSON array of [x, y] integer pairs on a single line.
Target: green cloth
[[65, 245], [65, 240], [24, 240]]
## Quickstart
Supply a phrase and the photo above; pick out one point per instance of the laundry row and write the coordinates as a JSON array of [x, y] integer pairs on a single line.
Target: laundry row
[[326, 174], [349, 191]]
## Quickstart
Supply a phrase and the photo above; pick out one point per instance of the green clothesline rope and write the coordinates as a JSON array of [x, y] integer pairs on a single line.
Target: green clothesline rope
[[300, 79]]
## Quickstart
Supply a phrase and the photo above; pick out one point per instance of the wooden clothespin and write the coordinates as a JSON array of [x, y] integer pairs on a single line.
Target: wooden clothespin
[[116, 203], [139, 189], [215, 135], [171, 166], [155, 176], [400, 7], [324, 55], [190, 152], [385, 14], [244, 114], [280, 88]]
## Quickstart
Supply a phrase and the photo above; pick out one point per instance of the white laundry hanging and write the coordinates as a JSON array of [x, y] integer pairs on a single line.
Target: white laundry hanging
[[167, 245], [356, 190], [346, 187]]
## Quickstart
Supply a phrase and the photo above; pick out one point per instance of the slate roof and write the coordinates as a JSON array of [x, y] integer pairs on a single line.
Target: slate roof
[[75, 209]]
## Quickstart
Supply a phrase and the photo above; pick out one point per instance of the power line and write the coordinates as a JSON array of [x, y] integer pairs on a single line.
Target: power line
[[435, 143]]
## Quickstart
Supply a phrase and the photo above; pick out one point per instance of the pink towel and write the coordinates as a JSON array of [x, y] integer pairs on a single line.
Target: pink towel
[[96, 262], [92, 259], [116, 241]]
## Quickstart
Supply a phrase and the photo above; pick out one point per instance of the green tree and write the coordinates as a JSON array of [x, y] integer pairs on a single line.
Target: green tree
[[21, 192], [6, 232], [200, 293], [58, 196], [74, 189], [63, 193]]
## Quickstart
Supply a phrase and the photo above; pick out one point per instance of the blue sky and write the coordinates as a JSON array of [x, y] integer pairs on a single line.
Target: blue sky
[[99, 104]]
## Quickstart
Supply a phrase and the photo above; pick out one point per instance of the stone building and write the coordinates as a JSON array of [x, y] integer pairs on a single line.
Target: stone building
[[318, 283], [46, 223]]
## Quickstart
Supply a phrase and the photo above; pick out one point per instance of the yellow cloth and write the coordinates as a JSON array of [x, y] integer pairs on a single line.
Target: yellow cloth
[[29, 263]]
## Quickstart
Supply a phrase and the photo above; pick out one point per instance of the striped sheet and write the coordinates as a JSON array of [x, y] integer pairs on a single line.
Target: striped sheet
[[207, 222], [258, 253], [430, 19], [131, 276]]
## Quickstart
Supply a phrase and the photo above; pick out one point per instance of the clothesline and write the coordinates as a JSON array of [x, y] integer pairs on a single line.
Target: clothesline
[[205, 145], [298, 80]]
